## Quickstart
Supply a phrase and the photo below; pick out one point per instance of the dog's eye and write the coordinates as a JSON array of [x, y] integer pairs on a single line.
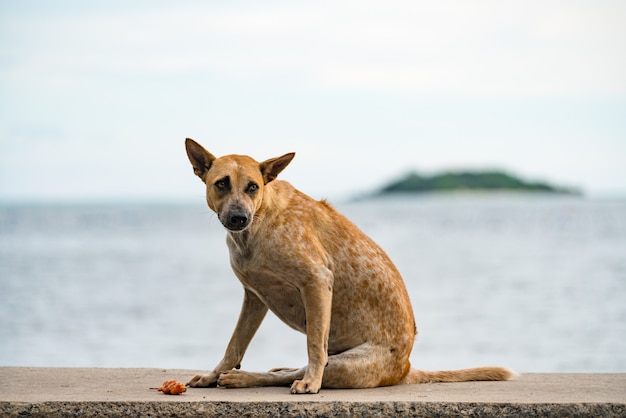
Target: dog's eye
[[252, 187], [220, 185]]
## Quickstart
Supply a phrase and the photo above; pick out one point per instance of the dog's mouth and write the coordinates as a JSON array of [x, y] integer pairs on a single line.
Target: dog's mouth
[[236, 221]]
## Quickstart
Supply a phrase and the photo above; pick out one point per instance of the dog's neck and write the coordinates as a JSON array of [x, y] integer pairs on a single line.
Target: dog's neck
[[242, 242]]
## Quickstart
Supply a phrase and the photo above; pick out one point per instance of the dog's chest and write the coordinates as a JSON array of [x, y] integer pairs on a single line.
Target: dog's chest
[[270, 282], [279, 295]]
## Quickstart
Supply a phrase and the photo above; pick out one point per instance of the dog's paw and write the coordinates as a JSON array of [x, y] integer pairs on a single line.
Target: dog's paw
[[236, 379], [305, 386], [203, 381]]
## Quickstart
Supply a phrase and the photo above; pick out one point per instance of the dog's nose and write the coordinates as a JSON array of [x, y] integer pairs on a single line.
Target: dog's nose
[[237, 220]]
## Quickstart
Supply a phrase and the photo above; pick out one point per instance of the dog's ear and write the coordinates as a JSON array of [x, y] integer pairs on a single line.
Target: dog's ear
[[200, 158], [272, 167]]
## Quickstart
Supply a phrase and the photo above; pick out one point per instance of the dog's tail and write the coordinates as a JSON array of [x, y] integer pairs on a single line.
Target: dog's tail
[[463, 375]]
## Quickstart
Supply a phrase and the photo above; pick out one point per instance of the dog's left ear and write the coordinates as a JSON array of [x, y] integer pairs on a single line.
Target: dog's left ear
[[272, 167]]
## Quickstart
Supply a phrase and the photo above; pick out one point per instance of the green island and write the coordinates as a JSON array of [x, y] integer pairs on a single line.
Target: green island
[[469, 181]]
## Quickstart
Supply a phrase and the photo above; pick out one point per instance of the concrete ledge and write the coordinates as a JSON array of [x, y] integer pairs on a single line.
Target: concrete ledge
[[122, 392]]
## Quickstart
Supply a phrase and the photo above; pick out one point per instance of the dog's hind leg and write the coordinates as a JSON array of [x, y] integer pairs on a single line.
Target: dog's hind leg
[[364, 366], [283, 369], [275, 377]]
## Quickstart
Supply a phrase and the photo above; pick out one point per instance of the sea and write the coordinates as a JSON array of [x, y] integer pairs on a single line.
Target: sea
[[536, 283]]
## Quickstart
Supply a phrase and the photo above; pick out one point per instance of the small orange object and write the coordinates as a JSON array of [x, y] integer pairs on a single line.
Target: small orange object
[[172, 387]]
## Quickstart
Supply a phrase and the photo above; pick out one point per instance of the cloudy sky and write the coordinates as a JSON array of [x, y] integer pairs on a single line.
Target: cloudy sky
[[97, 97]]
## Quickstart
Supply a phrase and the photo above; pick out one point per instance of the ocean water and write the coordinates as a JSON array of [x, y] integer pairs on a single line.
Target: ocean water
[[536, 283]]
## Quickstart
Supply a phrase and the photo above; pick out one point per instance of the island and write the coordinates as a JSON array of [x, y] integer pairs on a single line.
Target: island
[[469, 181]]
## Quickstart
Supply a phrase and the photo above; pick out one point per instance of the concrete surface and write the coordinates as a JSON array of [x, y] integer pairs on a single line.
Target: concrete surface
[[26, 391]]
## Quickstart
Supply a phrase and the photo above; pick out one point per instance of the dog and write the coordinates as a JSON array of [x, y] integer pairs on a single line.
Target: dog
[[319, 274]]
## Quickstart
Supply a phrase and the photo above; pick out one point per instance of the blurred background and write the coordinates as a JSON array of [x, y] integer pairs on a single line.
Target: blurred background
[[110, 258]]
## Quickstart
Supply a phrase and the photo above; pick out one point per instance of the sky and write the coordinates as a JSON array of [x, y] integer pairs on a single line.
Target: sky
[[96, 98]]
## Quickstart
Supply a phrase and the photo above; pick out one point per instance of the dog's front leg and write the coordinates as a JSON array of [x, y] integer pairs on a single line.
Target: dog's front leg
[[317, 294], [252, 313]]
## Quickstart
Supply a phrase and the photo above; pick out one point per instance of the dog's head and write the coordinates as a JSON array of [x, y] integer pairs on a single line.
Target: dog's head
[[234, 183]]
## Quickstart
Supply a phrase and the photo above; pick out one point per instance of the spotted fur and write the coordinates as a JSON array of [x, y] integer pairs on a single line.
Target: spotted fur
[[319, 274]]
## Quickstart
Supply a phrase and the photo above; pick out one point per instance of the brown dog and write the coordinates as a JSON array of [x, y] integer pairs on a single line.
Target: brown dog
[[319, 274]]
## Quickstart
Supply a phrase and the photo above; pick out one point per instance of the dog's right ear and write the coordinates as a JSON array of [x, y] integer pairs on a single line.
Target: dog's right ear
[[200, 158]]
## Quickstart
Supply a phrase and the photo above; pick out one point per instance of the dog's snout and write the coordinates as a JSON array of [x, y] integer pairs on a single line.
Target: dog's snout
[[238, 218], [237, 221]]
